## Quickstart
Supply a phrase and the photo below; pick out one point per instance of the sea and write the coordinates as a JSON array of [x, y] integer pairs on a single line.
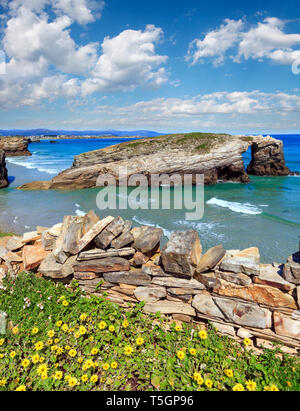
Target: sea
[[264, 213]]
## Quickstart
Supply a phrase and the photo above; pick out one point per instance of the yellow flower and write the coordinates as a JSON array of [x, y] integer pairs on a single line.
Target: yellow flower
[[58, 375], [42, 359], [88, 364], [180, 355], [25, 363], [82, 330], [42, 369], [178, 328], [247, 342], [193, 351], [197, 377], [209, 383], [94, 351], [65, 327], [21, 388], [50, 341], [140, 341], [91, 339], [1, 341], [202, 334], [1, 356], [105, 366], [12, 354], [72, 353], [94, 378], [288, 383], [59, 323], [84, 378], [238, 387], [35, 358], [34, 331], [54, 347], [80, 360], [83, 317], [56, 340], [274, 388], [128, 350], [44, 376], [59, 350], [111, 328], [67, 347], [125, 324], [251, 385], [3, 383], [114, 365], [15, 330], [39, 345], [229, 373], [72, 382], [51, 333], [65, 303], [102, 325]]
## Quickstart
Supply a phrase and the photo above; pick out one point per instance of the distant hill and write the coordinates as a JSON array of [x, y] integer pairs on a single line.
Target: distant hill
[[106, 133]]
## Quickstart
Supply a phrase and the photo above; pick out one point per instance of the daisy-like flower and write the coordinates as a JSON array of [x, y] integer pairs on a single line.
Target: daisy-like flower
[[25, 363], [34, 331], [21, 388], [180, 355], [111, 328], [35, 359], [39, 345], [198, 378], [178, 328], [58, 375], [59, 324], [84, 378], [193, 351], [229, 373], [42, 369], [247, 342], [125, 324], [238, 387], [82, 330], [114, 365], [65, 327], [94, 378], [94, 351], [15, 330], [251, 385], [3, 383], [209, 383], [1, 341], [65, 303], [274, 388], [12, 354], [102, 325], [128, 350], [72, 382], [105, 366], [72, 353], [202, 334], [51, 333], [140, 341], [83, 317]]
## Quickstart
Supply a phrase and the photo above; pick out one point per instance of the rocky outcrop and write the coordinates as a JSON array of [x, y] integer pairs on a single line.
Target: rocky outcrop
[[14, 146], [240, 296], [3, 170], [268, 158]]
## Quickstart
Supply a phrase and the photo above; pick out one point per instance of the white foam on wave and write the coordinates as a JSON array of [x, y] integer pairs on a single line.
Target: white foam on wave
[[242, 208], [141, 221], [24, 162], [79, 212], [202, 228]]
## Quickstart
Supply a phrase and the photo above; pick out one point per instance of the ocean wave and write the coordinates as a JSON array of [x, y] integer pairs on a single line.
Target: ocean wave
[[242, 208], [202, 228], [24, 162], [141, 221]]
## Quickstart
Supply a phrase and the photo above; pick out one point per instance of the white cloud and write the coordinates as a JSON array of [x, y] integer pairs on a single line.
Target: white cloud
[[266, 40], [216, 43], [128, 60]]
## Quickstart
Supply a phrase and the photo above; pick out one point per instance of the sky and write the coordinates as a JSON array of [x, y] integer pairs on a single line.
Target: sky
[[168, 66]]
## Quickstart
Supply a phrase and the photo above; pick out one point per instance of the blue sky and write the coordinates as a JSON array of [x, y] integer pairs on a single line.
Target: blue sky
[[168, 66]]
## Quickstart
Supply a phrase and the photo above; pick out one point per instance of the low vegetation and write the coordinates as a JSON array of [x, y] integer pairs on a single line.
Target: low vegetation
[[59, 339]]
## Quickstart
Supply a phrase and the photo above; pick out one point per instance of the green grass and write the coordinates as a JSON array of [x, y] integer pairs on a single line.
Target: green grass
[[110, 348], [6, 235]]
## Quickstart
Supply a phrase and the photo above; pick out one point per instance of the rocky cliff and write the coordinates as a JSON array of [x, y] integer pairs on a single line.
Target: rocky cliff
[[217, 156], [14, 146], [3, 171]]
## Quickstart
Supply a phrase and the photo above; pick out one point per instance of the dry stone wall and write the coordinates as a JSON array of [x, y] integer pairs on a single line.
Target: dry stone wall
[[232, 289]]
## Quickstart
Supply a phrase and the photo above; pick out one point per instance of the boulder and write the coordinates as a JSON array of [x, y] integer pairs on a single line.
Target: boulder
[[244, 314], [286, 326], [93, 233], [224, 329], [210, 259], [58, 251], [72, 234], [14, 244], [235, 278], [150, 294], [154, 270], [260, 294], [208, 279], [174, 282], [146, 239], [103, 265], [51, 268], [68, 267], [126, 238], [291, 271], [48, 241], [31, 237], [182, 253], [113, 230], [246, 262], [272, 275], [130, 278], [205, 304], [140, 259], [178, 292], [243, 333], [33, 255], [169, 307], [89, 220]]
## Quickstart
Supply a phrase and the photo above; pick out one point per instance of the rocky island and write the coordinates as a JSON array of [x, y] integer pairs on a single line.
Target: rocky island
[[217, 156], [14, 146]]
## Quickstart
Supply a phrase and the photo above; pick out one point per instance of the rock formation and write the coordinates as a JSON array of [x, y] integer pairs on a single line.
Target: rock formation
[[231, 289], [218, 157], [3, 170], [15, 146], [268, 158]]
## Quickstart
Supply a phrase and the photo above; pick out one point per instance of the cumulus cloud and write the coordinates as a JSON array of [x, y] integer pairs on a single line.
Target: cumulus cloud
[[266, 40], [44, 61]]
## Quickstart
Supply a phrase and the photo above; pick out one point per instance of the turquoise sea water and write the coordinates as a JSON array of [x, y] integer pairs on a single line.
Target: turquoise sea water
[[264, 213]]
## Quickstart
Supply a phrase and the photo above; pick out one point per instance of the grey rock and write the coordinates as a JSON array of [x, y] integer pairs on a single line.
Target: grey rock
[[205, 304], [97, 253], [169, 307], [208, 279], [146, 239], [51, 268], [113, 230], [102, 265], [210, 259], [291, 271], [235, 278], [137, 278], [174, 282], [182, 253], [246, 262], [150, 294], [272, 275]]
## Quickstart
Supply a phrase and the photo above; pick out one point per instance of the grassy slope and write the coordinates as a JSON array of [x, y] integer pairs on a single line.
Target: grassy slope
[[163, 358]]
